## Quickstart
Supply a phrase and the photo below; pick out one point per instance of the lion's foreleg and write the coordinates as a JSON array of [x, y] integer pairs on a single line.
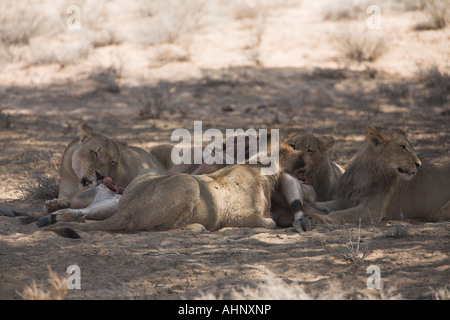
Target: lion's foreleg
[[353, 215], [81, 199], [293, 193]]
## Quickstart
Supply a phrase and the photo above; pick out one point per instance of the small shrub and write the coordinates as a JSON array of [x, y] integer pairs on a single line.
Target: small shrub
[[58, 289], [345, 10], [59, 52], [354, 251], [437, 82], [173, 21], [5, 121], [361, 46], [42, 187], [20, 21], [154, 101], [437, 12], [397, 233]]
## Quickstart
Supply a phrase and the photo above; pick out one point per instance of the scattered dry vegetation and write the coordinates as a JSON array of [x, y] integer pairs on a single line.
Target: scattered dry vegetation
[[133, 69], [58, 289], [354, 250], [437, 82], [278, 289], [44, 183], [361, 45], [437, 13], [41, 187]]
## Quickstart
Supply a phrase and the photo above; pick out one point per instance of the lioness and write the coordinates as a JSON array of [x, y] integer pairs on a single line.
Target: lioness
[[234, 196], [322, 174], [92, 156], [386, 180]]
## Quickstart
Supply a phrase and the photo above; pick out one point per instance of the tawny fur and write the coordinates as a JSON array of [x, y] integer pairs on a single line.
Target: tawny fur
[[234, 196], [385, 181], [322, 173], [93, 155]]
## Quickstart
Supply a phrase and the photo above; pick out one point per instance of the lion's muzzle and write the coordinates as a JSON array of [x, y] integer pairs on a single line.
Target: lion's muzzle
[[85, 181]]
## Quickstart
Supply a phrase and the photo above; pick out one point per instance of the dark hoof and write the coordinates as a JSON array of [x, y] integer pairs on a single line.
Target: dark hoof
[[7, 213], [46, 220], [302, 225]]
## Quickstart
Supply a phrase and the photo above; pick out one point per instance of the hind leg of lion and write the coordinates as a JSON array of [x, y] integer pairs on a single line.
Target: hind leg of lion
[[165, 203], [444, 212]]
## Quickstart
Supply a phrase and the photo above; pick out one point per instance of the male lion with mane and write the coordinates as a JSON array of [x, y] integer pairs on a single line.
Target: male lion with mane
[[387, 181], [234, 196], [92, 156]]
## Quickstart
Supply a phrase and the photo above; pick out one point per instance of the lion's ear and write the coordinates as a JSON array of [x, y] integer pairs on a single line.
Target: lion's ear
[[327, 142], [120, 144], [374, 136], [86, 132]]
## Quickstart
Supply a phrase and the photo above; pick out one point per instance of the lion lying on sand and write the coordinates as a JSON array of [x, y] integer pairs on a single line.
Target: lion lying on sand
[[234, 196], [387, 181], [92, 156]]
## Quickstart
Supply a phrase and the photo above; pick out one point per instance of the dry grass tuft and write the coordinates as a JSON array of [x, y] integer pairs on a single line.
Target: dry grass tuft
[[42, 187], [20, 21], [172, 21], [353, 251], [345, 10], [437, 82], [398, 232], [441, 293], [278, 289], [361, 45], [437, 13], [46, 184], [5, 120], [36, 292], [154, 101]]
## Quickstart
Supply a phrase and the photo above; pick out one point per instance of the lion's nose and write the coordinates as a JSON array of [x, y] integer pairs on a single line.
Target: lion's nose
[[418, 163]]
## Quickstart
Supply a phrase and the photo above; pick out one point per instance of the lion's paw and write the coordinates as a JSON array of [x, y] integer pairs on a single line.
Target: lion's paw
[[56, 204], [302, 225]]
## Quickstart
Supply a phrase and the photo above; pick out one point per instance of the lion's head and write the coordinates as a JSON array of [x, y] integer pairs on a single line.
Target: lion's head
[[394, 152], [293, 161], [315, 148], [97, 156]]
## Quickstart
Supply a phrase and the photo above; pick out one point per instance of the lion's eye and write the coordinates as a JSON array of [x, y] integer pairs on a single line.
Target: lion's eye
[[292, 146], [403, 147], [95, 154], [113, 163]]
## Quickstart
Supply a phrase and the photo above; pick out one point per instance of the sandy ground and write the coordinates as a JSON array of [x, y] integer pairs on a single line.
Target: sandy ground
[[299, 80]]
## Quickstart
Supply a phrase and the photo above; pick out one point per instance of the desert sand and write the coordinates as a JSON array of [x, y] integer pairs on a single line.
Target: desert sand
[[136, 72]]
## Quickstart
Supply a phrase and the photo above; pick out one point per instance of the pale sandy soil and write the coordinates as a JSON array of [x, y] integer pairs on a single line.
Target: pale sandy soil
[[211, 73]]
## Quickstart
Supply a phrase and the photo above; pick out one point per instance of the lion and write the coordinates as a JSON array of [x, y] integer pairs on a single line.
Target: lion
[[92, 156], [234, 196], [322, 173], [387, 181]]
